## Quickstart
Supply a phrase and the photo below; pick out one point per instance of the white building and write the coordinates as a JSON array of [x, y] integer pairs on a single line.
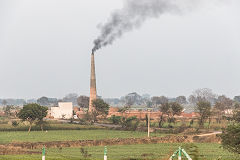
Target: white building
[[64, 110]]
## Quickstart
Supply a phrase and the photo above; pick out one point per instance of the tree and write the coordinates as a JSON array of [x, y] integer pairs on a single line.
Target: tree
[[149, 104], [155, 101], [231, 138], [225, 101], [181, 100], [100, 108], [204, 94], [4, 102], [133, 98], [237, 99], [83, 101], [192, 99], [204, 110], [43, 101], [31, 113], [221, 105], [236, 116], [236, 106], [170, 109], [71, 97], [159, 100], [8, 110], [175, 109], [164, 108]]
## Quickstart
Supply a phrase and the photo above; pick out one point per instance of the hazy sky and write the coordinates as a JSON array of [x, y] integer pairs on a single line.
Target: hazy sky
[[45, 48]]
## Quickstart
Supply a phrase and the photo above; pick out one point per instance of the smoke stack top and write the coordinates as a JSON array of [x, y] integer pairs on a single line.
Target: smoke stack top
[[134, 13]]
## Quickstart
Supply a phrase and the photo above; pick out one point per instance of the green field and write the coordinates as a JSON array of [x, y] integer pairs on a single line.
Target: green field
[[67, 135], [144, 151]]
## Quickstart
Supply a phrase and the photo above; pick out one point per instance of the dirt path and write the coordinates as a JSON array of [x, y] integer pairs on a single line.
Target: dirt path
[[209, 134]]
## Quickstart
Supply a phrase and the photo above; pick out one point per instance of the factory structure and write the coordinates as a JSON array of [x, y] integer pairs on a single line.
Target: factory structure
[[63, 111]]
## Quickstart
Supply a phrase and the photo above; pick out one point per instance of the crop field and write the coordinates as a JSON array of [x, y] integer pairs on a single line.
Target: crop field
[[205, 151], [68, 135]]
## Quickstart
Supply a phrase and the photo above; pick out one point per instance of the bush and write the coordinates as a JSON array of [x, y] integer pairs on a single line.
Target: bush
[[231, 138], [84, 153], [115, 119], [15, 123], [130, 123]]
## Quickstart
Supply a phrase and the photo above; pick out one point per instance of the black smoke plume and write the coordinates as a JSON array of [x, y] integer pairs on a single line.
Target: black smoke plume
[[135, 12], [131, 16]]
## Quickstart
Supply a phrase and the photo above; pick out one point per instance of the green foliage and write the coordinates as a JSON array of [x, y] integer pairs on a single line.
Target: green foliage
[[204, 110], [236, 116], [130, 123], [170, 109], [83, 101], [124, 109], [231, 138], [15, 123], [115, 119], [7, 110], [175, 108], [32, 112], [191, 122], [100, 108]]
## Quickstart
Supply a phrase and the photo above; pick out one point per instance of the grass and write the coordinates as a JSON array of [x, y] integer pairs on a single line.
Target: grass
[[51, 125], [144, 151], [64, 135]]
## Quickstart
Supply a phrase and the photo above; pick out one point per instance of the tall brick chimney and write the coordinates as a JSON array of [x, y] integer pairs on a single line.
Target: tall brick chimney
[[93, 89]]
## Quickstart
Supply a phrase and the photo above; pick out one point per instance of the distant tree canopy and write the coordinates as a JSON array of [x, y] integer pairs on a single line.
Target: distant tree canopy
[[83, 101], [181, 100], [204, 94], [71, 97], [13, 102], [7, 110], [43, 101], [223, 103], [156, 101], [133, 98], [237, 99], [4, 102], [32, 113]]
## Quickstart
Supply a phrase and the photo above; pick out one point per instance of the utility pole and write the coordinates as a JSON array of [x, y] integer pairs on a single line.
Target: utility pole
[[148, 123]]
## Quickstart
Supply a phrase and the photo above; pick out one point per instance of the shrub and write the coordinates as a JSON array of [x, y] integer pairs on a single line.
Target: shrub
[[130, 123], [231, 138], [115, 119], [84, 153], [15, 123]]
